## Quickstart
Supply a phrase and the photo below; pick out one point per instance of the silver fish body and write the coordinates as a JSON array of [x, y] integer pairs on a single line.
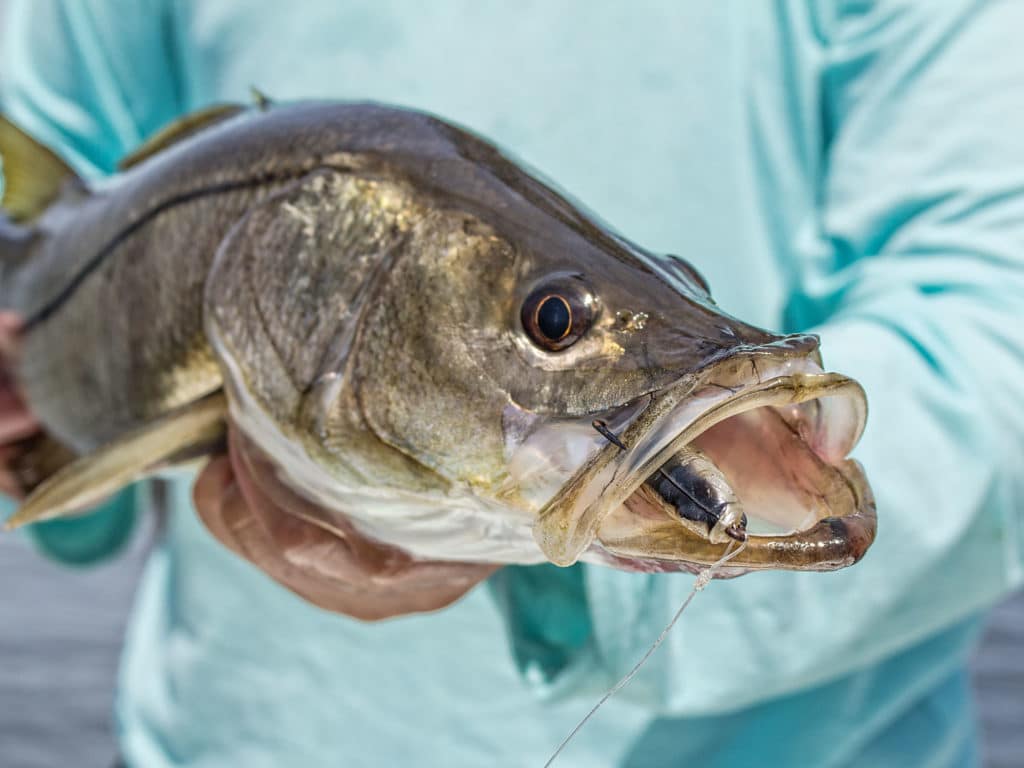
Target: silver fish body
[[419, 335]]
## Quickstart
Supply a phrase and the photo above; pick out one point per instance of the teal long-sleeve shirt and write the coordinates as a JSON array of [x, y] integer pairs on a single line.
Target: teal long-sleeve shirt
[[855, 168]]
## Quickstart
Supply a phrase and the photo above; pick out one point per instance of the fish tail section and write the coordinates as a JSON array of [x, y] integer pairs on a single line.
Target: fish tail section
[[15, 250], [33, 175]]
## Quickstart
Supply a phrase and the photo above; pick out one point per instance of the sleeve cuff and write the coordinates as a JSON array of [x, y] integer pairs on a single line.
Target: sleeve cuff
[[90, 538]]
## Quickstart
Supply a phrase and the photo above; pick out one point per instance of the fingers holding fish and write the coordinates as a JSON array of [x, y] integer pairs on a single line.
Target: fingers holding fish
[[17, 423], [258, 518], [9, 484]]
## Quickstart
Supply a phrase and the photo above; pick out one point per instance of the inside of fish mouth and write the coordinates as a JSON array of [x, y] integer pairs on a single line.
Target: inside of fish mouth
[[769, 470]]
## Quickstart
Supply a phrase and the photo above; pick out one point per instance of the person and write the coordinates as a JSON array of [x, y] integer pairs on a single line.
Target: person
[[853, 168]]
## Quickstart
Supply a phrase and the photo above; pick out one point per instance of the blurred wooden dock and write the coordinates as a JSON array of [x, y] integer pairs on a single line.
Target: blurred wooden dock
[[60, 631]]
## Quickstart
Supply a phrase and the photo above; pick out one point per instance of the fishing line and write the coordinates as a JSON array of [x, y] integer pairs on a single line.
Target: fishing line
[[702, 580]]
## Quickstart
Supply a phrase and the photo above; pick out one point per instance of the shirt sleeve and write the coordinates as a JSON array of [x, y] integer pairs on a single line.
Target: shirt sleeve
[[918, 292], [90, 80], [89, 538]]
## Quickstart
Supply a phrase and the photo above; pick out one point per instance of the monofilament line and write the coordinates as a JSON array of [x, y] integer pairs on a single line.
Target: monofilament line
[[702, 581]]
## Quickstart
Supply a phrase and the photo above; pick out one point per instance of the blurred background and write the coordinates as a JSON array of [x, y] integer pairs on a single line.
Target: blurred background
[[60, 637], [60, 633]]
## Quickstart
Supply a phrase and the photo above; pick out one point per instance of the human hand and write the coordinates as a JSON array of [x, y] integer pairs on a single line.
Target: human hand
[[17, 423], [241, 501]]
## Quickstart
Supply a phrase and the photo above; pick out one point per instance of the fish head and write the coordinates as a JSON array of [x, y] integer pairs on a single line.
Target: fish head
[[649, 430], [445, 325]]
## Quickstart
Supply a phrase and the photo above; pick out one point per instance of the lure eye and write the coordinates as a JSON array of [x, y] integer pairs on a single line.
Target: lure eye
[[555, 316]]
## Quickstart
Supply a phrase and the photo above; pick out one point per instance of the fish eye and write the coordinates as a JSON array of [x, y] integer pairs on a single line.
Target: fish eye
[[557, 314]]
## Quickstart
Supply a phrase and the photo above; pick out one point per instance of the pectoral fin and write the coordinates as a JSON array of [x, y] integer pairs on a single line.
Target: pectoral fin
[[189, 432]]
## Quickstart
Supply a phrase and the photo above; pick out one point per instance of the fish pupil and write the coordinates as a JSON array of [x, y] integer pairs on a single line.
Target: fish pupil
[[554, 318]]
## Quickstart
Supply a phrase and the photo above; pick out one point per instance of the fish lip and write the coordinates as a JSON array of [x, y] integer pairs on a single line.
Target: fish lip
[[569, 527]]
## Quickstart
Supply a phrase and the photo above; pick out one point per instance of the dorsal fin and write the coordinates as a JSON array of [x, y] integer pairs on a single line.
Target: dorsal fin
[[179, 130], [33, 174], [260, 100]]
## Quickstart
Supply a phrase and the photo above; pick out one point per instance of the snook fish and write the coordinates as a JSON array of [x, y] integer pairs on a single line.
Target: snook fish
[[423, 338]]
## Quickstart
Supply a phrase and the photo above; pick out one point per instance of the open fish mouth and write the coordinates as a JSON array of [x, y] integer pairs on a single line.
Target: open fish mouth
[[754, 448]]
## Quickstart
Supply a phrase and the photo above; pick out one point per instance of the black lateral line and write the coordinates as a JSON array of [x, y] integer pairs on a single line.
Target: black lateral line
[[48, 309]]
